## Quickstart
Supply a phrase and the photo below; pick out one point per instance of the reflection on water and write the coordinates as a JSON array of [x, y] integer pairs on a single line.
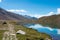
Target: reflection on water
[[55, 33]]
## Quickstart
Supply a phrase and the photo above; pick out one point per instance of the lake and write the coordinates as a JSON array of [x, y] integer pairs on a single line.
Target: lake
[[54, 33]]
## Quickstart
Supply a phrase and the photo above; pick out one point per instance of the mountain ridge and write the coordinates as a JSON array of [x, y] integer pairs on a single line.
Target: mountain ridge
[[6, 15], [51, 21], [11, 15]]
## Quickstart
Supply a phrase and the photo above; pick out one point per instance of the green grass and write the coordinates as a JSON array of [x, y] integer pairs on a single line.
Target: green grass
[[31, 34], [1, 34]]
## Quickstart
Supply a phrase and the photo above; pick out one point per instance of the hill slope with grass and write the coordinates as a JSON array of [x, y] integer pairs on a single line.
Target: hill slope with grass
[[31, 34]]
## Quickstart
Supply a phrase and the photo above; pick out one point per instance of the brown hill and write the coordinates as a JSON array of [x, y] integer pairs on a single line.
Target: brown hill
[[52, 21]]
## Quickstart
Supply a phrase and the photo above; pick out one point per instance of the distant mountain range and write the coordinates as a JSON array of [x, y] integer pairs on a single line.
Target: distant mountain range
[[29, 17], [51, 21], [5, 15]]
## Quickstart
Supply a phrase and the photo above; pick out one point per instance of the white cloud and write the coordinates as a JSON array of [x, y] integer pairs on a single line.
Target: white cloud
[[35, 15], [17, 11], [58, 10], [0, 0], [38, 15], [50, 13]]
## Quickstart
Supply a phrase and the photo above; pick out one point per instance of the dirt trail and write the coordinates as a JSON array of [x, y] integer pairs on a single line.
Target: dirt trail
[[10, 34]]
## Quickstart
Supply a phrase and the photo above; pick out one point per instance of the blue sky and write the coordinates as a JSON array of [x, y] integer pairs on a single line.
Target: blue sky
[[35, 8]]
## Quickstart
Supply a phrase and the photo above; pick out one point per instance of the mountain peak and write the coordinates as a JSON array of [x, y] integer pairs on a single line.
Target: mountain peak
[[5, 15], [1, 9]]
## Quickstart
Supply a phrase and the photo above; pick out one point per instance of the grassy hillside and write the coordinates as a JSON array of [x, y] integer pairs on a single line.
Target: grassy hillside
[[52, 21], [30, 33]]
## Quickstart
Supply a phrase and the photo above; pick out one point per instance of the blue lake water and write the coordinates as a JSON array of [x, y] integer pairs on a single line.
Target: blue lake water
[[54, 33]]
